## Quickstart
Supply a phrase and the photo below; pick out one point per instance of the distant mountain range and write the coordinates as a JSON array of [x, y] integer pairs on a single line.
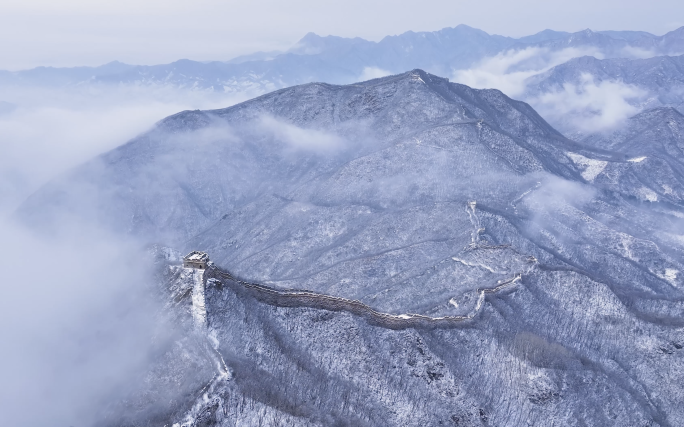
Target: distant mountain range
[[646, 70], [343, 60]]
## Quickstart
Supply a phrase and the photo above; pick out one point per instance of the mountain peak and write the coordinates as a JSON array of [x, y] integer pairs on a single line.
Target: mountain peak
[[677, 32], [309, 37]]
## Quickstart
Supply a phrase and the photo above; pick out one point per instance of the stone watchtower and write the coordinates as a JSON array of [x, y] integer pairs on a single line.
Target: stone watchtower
[[196, 259]]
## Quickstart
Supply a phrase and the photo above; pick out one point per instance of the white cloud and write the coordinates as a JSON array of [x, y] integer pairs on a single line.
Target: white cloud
[[508, 71], [76, 320], [637, 53], [370, 73], [52, 131], [494, 72], [590, 106], [76, 324], [586, 106], [297, 138]]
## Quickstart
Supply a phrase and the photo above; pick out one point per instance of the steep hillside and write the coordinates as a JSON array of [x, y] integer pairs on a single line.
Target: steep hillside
[[282, 140], [654, 142], [412, 195]]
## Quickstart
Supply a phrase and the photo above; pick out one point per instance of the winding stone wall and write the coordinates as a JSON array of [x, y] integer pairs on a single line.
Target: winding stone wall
[[303, 298]]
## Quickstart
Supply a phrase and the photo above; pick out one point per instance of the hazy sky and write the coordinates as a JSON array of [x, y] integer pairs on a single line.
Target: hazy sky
[[91, 32]]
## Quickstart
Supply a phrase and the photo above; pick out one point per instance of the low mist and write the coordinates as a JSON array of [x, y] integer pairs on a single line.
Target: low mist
[[46, 131], [586, 106], [77, 323], [509, 71], [591, 106], [80, 312]]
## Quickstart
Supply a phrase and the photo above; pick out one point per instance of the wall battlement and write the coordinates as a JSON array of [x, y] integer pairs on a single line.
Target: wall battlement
[[196, 259]]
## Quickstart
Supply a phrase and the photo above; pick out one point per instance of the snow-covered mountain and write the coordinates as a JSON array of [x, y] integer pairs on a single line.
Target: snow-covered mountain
[[314, 58], [656, 82], [410, 194], [344, 60], [654, 143], [580, 82]]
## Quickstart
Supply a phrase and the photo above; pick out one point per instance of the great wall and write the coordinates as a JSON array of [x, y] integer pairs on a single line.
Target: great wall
[[302, 298]]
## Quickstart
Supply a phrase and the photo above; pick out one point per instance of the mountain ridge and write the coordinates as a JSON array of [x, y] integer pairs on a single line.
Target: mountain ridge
[[342, 60], [409, 194]]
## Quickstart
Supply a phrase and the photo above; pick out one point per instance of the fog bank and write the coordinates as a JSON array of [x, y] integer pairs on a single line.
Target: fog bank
[[45, 132]]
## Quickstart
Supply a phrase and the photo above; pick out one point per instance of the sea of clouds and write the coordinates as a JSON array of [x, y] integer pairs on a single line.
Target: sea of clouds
[[581, 107]]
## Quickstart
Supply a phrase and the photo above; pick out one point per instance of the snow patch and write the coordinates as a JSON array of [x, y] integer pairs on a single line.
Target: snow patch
[[416, 77], [626, 244], [671, 275], [199, 312], [477, 265], [647, 194], [592, 167], [637, 159]]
